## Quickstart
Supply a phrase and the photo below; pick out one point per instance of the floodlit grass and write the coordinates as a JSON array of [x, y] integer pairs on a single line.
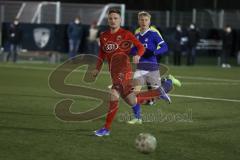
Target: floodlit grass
[[29, 129]]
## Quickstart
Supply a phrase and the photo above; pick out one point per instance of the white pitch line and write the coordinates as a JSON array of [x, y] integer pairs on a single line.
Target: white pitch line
[[206, 98], [27, 67], [106, 72], [210, 83], [174, 95], [208, 79], [43, 68]]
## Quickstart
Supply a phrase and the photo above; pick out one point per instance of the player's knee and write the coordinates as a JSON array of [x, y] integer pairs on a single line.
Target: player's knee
[[131, 102], [137, 89], [137, 82], [114, 95], [131, 99]]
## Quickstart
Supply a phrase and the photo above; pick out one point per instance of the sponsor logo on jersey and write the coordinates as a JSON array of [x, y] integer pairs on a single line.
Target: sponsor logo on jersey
[[110, 47]]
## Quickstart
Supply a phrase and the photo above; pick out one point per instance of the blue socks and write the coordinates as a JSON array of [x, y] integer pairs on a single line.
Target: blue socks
[[137, 111], [167, 85]]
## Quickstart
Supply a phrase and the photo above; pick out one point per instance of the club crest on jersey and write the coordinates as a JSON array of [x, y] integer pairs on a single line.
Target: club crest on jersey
[[119, 37], [110, 47]]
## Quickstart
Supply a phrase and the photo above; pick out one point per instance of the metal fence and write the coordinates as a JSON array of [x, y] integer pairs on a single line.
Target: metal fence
[[56, 12], [205, 19]]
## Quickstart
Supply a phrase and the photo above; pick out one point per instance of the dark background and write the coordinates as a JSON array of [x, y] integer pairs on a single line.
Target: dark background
[[59, 31], [166, 4], [59, 42]]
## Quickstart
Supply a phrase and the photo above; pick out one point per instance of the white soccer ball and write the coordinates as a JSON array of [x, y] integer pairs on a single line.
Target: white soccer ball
[[145, 143]]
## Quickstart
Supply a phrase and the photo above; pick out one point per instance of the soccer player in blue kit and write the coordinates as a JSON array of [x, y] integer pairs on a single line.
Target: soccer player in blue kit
[[148, 68]]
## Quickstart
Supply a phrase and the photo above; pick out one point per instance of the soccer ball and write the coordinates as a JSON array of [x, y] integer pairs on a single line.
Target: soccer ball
[[145, 143]]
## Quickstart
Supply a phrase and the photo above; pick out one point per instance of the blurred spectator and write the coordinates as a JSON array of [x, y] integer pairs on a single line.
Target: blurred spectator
[[93, 39], [238, 58], [14, 37], [178, 45], [193, 38], [75, 33], [227, 46]]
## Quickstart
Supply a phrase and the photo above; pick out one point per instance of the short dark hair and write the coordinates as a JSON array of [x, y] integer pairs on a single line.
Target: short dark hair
[[227, 26], [114, 10], [16, 19], [78, 17]]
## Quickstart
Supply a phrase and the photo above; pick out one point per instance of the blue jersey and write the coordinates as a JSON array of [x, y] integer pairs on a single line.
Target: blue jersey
[[154, 44]]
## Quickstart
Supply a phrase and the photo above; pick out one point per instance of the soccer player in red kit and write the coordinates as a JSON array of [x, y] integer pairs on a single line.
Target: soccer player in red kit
[[115, 46]]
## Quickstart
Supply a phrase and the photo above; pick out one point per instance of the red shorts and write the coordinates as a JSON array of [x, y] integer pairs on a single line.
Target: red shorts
[[121, 74]]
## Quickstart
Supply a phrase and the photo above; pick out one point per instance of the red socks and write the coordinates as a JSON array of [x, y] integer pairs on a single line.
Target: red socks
[[141, 97], [113, 108]]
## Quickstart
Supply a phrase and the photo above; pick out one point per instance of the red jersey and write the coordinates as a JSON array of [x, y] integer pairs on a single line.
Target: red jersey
[[119, 43]]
